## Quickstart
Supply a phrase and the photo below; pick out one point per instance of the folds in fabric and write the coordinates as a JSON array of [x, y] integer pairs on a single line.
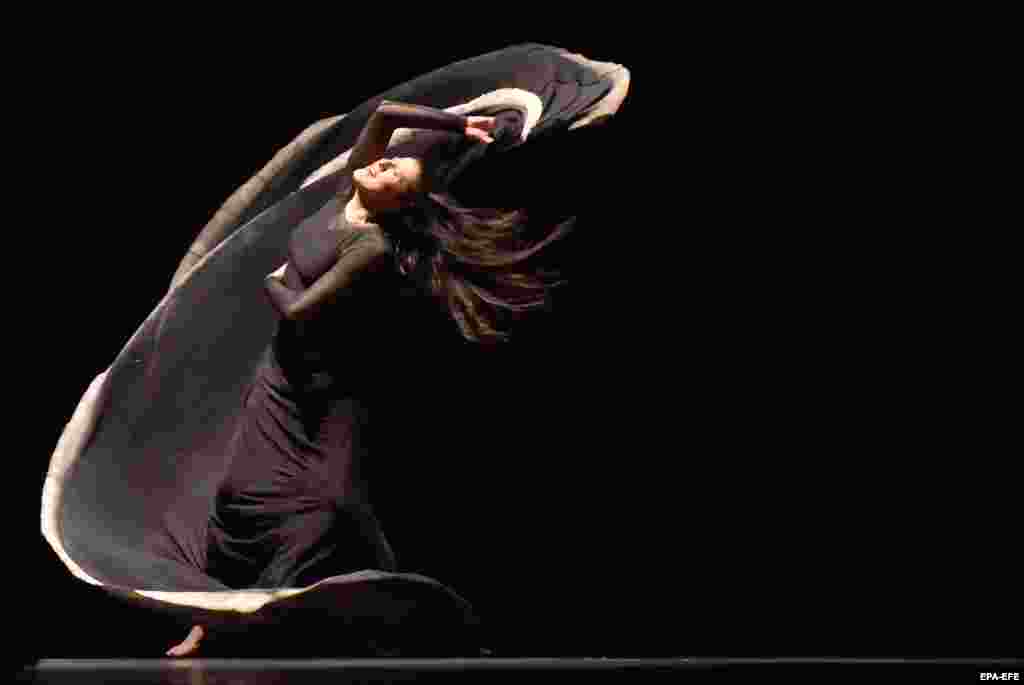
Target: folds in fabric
[[133, 481]]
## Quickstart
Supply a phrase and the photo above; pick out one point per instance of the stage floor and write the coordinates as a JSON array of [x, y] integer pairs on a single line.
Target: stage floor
[[339, 671], [517, 670]]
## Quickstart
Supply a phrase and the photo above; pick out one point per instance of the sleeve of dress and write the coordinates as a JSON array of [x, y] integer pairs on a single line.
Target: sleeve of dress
[[402, 115], [362, 253], [375, 136]]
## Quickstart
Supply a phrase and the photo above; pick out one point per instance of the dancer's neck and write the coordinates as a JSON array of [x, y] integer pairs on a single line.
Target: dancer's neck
[[355, 212]]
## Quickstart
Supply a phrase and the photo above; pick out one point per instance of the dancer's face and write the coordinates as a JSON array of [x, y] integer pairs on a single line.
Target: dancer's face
[[383, 183]]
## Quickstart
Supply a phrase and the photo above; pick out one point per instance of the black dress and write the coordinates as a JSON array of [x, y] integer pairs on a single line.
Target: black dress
[[293, 508]]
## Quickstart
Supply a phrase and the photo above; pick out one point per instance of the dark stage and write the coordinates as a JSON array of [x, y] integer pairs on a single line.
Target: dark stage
[[737, 435]]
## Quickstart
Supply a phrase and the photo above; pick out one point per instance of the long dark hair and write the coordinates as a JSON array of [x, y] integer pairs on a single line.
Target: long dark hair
[[477, 263]]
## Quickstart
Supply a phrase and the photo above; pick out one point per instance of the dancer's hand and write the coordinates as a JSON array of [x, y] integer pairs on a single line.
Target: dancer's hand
[[480, 128]]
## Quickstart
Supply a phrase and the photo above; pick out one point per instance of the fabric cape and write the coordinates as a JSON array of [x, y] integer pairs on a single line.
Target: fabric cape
[[131, 482]]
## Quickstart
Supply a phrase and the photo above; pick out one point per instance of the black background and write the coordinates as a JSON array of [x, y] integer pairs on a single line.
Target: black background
[[754, 429]]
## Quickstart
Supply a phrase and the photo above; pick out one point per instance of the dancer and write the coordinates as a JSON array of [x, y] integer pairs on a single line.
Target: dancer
[[244, 423], [276, 518]]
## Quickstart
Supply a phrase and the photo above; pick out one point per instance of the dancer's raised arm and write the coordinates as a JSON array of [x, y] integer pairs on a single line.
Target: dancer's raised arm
[[389, 115]]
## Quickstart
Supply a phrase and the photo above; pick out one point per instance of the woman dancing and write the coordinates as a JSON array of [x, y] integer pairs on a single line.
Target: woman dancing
[[471, 256], [268, 494]]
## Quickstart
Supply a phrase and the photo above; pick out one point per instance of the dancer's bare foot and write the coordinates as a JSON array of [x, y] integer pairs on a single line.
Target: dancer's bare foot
[[190, 645]]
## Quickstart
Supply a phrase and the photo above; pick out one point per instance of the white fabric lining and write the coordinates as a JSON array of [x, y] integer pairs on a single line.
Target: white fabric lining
[[610, 103]]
